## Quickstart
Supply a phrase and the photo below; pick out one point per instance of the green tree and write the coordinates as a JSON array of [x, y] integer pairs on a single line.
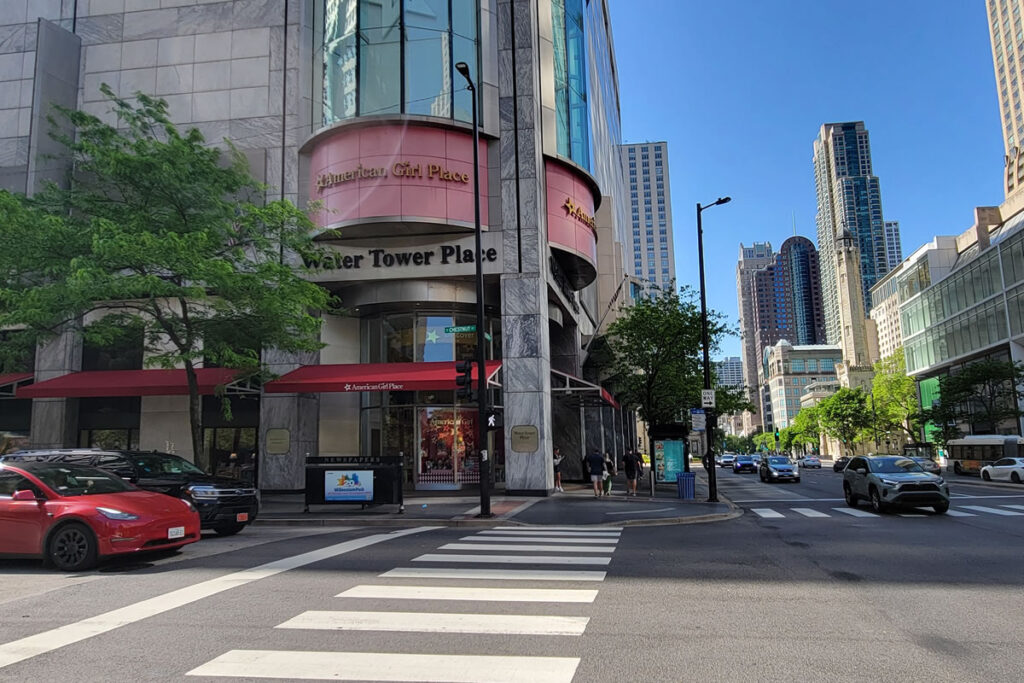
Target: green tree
[[844, 415], [806, 428], [983, 395], [739, 444], [897, 408], [160, 233], [656, 354], [764, 441]]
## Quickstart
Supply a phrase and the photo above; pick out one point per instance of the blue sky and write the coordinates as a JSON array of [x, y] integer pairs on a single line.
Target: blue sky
[[739, 89]]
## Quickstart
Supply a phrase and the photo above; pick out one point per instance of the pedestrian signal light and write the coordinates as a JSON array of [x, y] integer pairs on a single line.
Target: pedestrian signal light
[[464, 380]]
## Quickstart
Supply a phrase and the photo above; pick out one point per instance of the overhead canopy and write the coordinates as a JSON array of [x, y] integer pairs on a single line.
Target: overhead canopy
[[580, 392], [9, 382], [312, 379], [97, 383]]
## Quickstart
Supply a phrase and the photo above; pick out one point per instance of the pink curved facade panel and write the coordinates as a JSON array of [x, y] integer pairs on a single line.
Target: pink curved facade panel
[[405, 172], [570, 211]]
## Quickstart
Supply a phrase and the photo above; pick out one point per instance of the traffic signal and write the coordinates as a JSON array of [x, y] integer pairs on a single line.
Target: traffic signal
[[776, 433], [494, 420], [464, 380]]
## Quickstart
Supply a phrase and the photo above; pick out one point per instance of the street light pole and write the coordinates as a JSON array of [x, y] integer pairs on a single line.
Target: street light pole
[[481, 418], [712, 419]]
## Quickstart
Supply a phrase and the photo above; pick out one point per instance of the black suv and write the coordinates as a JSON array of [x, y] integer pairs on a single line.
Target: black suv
[[224, 505]]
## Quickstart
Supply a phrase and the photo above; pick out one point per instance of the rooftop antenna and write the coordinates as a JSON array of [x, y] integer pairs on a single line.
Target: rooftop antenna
[[794, 223]]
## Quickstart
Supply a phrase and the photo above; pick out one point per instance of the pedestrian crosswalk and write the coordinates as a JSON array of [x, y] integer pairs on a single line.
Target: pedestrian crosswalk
[[509, 589], [961, 511]]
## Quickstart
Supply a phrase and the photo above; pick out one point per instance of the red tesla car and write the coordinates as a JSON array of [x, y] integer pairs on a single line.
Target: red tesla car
[[73, 515]]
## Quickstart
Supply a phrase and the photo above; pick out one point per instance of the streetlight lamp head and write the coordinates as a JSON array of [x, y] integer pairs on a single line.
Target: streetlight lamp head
[[462, 68], [724, 200]]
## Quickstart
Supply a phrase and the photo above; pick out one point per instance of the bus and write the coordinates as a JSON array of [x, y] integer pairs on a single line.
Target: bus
[[969, 454]]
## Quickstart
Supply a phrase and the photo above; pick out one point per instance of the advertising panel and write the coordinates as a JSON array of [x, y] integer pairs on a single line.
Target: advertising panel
[[354, 485], [668, 460]]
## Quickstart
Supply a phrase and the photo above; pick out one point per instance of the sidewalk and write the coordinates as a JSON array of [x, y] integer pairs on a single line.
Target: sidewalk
[[575, 506]]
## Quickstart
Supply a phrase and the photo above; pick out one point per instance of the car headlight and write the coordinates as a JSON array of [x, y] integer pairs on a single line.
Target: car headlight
[[202, 492], [188, 504], [111, 513], [940, 481], [774, 473], [889, 482]]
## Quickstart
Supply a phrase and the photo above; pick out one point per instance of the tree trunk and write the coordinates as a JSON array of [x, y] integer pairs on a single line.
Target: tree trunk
[[195, 412]]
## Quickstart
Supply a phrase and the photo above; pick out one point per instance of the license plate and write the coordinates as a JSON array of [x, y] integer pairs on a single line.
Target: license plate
[[242, 517], [176, 532]]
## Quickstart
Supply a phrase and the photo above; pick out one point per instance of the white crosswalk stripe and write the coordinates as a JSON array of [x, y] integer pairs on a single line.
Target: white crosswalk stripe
[[855, 512], [511, 547], [475, 594], [388, 666], [957, 513], [493, 574], [767, 513], [499, 546], [993, 511], [1015, 507], [574, 529], [810, 512]]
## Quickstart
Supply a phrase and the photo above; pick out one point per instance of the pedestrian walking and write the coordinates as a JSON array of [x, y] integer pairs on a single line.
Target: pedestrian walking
[[632, 464], [595, 465], [609, 471], [557, 460]]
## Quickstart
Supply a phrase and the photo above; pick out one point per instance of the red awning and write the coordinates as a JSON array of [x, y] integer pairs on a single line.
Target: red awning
[[314, 379], [127, 383], [9, 382], [580, 393]]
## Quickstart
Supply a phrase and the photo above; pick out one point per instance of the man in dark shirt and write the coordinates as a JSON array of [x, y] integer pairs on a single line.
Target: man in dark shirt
[[633, 466], [595, 464]]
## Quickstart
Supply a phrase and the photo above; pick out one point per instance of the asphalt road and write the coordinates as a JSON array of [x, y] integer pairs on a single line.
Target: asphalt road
[[790, 598]]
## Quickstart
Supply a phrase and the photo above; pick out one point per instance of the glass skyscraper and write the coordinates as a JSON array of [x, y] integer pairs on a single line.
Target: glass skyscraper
[[645, 166]]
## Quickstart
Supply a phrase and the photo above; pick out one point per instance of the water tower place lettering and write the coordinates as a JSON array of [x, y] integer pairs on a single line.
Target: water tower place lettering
[[445, 254]]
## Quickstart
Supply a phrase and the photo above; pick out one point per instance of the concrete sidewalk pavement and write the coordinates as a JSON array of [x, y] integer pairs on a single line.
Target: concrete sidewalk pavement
[[576, 506]]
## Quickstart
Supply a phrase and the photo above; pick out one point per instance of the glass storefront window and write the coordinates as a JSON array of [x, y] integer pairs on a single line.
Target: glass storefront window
[[433, 343], [420, 66], [408, 338], [398, 337]]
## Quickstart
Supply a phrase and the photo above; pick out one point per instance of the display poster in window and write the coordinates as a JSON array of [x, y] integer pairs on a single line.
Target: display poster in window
[[352, 485], [447, 442], [668, 460]]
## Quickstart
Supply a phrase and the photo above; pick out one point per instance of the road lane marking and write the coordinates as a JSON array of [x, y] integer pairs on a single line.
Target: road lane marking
[[548, 532], [513, 559], [993, 511], [439, 622], [790, 500], [536, 539], [808, 512], [493, 574], [583, 528], [48, 641], [388, 666], [767, 513], [913, 514], [957, 513], [1015, 507], [530, 548], [854, 512], [390, 592]]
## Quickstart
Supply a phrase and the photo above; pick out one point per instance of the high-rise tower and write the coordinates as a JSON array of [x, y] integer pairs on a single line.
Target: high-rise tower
[[849, 198], [893, 246], [1004, 29], [752, 258], [645, 167]]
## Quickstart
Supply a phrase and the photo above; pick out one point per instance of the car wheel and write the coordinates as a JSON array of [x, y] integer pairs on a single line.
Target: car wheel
[[985, 476], [851, 498], [941, 508], [228, 529], [797, 480], [876, 501], [1014, 477], [72, 548]]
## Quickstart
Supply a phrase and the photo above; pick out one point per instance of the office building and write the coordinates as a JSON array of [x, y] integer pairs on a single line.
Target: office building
[[929, 263], [1004, 28], [751, 259], [729, 372], [893, 246], [789, 370], [849, 198], [645, 168], [357, 104]]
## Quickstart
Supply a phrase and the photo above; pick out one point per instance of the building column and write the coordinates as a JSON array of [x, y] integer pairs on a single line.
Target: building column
[[55, 420], [284, 470]]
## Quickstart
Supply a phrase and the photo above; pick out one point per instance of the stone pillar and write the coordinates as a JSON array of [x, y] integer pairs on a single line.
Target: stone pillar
[[164, 425], [526, 375], [55, 420], [296, 413]]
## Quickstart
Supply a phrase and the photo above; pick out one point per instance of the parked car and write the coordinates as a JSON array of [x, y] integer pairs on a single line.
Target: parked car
[[893, 480], [810, 461], [1004, 469], [73, 515], [839, 464], [727, 460], [744, 463], [225, 505], [778, 468], [927, 464]]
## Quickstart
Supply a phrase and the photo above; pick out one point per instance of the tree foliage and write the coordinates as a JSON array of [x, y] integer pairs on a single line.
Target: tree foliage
[[897, 408], [657, 354], [765, 441], [983, 395], [845, 414], [165, 235], [806, 428], [739, 444]]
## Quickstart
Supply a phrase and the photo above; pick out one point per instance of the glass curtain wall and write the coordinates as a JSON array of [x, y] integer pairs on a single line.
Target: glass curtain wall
[[572, 115], [398, 56]]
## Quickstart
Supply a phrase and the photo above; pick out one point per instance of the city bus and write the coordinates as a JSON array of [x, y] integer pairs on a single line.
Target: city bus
[[969, 454]]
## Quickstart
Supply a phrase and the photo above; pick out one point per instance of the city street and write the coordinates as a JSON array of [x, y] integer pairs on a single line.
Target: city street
[[799, 596]]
